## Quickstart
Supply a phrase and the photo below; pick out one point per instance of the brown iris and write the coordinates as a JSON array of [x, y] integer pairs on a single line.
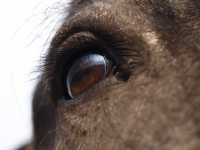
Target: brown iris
[[85, 72]]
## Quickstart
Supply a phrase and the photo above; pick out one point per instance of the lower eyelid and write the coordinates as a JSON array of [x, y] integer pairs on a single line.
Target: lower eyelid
[[92, 94]]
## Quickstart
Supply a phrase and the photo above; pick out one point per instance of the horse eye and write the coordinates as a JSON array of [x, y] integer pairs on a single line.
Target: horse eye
[[86, 71]]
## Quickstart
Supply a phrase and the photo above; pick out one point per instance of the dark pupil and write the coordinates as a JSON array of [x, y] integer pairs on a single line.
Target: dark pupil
[[85, 72]]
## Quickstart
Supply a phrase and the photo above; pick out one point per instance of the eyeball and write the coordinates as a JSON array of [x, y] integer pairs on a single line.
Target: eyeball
[[85, 71]]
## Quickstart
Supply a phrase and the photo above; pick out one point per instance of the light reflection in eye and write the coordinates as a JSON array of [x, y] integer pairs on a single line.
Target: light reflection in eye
[[85, 72]]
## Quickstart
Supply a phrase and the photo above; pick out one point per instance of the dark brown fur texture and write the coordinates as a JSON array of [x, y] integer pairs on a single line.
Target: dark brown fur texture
[[154, 101]]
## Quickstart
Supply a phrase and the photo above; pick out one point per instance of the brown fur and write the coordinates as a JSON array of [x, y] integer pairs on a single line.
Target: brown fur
[[153, 104]]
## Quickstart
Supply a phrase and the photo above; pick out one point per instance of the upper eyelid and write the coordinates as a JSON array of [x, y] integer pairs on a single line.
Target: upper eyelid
[[74, 39], [76, 43], [68, 47]]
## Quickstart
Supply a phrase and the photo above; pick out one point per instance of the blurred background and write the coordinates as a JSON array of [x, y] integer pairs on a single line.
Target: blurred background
[[26, 28]]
